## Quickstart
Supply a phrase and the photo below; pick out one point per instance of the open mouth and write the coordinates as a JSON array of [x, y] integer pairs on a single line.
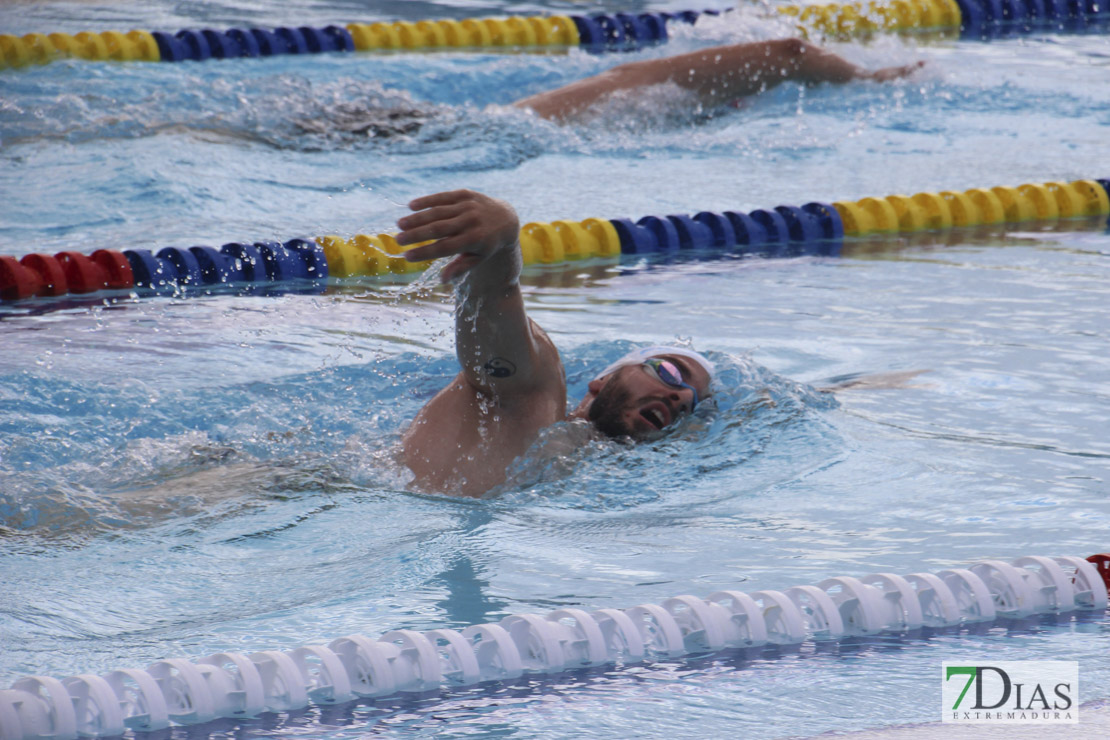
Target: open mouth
[[656, 416]]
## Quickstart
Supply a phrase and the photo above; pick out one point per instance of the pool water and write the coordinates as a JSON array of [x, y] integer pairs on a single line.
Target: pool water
[[189, 474]]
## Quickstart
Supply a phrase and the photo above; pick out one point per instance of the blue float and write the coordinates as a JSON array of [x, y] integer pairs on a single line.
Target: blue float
[[221, 46], [973, 18], [312, 254], [612, 29], [340, 38], [724, 236], [685, 16], [1034, 9], [635, 239], [656, 25], [184, 263], [634, 28], [691, 234], [216, 268], [248, 45], [268, 42], [170, 47], [621, 31], [315, 40], [1054, 9], [749, 232], [590, 33], [800, 226], [150, 271], [281, 264], [249, 260], [778, 234], [828, 220], [1074, 23], [294, 40], [773, 223], [992, 10], [1014, 11], [196, 46], [666, 235]]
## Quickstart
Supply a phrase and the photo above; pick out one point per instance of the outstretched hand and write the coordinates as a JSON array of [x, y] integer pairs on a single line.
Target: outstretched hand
[[470, 225], [886, 74]]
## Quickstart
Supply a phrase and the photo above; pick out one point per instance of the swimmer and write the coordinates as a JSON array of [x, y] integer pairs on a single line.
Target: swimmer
[[511, 385], [718, 75]]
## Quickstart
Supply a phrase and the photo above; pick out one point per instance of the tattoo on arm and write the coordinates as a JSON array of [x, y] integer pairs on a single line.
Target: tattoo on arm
[[499, 367]]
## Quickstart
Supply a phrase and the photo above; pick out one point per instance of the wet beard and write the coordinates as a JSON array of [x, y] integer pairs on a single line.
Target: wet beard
[[605, 411]]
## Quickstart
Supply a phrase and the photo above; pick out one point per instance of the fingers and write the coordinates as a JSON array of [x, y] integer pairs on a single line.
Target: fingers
[[437, 217], [464, 223], [424, 217], [441, 199], [441, 248], [427, 226], [893, 73]]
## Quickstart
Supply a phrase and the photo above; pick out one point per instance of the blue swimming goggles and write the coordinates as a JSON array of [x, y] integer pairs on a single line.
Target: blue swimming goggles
[[669, 373]]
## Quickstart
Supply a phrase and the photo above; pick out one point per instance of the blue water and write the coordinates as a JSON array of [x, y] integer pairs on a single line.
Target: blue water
[[183, 475]]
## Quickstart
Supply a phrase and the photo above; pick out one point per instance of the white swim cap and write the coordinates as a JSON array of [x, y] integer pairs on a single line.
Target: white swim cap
[[636, 356]]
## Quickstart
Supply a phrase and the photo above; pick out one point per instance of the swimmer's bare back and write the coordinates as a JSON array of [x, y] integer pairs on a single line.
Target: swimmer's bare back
[[718, 75]]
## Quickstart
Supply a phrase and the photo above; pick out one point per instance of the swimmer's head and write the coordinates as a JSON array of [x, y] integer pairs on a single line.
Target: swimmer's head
[[646, 391]]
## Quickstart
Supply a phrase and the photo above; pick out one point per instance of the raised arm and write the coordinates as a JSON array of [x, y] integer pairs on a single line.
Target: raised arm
[[502, 353]]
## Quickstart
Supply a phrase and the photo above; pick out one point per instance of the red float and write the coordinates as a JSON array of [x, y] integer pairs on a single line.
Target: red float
[[17, 281], [1102, 562], [49, 271], [82, 274], [117, 268]]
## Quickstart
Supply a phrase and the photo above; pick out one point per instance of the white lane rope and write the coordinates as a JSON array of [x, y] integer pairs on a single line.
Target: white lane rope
[[183, 692]]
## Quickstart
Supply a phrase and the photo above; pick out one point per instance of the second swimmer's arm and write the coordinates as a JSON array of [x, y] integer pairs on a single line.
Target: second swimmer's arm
[[724, 73], [718, 74]]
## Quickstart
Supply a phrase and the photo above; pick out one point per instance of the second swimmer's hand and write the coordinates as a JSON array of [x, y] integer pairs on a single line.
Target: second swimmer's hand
[[470, 225]]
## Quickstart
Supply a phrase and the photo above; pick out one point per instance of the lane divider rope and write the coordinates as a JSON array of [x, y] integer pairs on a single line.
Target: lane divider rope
[[783, 231], [234, 685], [602, 32]]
